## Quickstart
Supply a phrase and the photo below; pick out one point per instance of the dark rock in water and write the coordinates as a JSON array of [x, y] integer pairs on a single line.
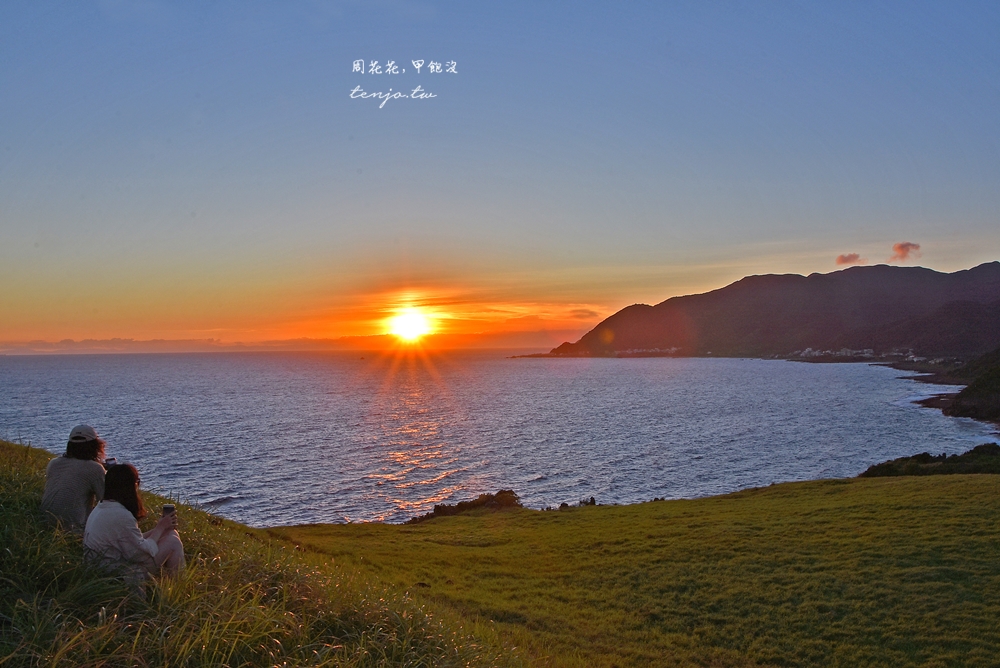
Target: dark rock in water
[[981, 459], [505, 498]]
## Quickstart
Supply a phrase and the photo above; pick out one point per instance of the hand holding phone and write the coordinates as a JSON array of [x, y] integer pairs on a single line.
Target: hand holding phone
[[169, 510]]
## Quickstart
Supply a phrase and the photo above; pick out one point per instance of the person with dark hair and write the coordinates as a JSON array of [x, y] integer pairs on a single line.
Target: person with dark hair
[[112, 535], [74, 482]]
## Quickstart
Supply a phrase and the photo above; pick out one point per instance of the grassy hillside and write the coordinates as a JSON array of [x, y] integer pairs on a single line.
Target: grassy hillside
[[873, 572], [243, 601]]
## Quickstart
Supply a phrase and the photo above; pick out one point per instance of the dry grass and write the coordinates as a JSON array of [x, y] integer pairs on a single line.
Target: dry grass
[[243, 601]]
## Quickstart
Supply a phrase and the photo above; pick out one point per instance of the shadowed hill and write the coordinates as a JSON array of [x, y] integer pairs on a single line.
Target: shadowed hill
[[880, 307], [958, 328], [983, 458], [981, 398]]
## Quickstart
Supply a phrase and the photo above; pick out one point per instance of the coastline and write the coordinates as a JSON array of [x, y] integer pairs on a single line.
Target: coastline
[[933, 376]]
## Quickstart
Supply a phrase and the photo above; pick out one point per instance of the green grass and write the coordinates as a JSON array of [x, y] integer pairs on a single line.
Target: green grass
[[865, 572], [861, 572], [243, 601]]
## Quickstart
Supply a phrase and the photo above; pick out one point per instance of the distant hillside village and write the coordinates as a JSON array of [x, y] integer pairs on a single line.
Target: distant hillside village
[[843, 354], [869, 354]]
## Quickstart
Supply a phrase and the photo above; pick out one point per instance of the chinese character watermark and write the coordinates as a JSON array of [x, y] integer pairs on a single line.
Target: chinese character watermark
[[391, 67]]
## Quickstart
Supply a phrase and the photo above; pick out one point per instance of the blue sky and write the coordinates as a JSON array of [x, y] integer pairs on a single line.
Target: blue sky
[[178, 170]]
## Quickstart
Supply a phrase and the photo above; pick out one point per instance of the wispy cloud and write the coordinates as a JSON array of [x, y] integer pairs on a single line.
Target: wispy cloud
[[850, 258], [903, 251]]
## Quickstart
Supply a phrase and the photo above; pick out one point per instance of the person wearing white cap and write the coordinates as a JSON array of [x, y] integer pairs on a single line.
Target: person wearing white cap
[[74, 482]]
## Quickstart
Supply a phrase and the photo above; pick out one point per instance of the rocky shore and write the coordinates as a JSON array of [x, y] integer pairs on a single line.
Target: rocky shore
[[980, 399]]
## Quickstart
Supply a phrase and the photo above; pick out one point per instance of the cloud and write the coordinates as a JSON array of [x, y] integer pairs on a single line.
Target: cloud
[[850, 258], [584, 314], [903, 251]]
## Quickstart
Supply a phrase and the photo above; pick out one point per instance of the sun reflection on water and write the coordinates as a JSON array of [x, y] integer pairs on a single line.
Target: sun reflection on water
[[413, 404]]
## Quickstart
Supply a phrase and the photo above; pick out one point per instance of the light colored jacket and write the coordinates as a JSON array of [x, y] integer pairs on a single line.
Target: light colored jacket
[[72, 489], [112, 537]]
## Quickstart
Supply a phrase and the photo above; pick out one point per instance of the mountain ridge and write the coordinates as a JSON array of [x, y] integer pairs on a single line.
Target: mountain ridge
[[879, 307]]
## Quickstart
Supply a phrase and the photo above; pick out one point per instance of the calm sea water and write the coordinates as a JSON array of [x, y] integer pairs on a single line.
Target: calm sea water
[[272, 439]]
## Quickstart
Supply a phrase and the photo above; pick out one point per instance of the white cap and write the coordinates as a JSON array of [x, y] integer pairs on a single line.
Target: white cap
[[83, 432]]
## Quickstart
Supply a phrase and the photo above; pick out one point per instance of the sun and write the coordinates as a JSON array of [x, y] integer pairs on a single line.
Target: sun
[[410, 324]]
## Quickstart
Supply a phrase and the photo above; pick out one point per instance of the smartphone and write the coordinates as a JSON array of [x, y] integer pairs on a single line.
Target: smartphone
[[110, 461], [169, 508]]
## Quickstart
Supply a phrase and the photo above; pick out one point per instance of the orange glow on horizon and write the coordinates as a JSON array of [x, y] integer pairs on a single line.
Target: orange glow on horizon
[[436, 317]]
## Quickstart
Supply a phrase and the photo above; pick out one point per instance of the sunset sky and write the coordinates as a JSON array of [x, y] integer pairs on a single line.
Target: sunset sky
[[201, 171]]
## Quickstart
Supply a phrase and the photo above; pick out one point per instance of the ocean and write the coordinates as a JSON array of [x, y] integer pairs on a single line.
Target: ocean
[[290, 438]]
